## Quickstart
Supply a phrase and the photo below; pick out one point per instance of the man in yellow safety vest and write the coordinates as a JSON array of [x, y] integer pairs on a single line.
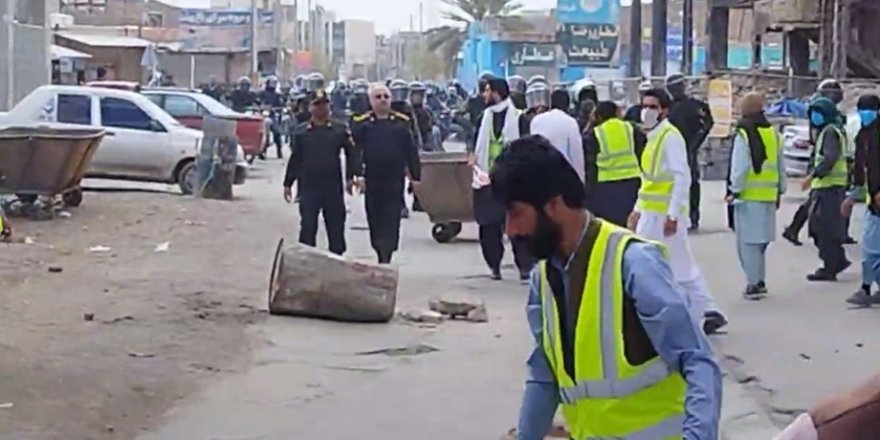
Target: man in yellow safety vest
[[616, 346]]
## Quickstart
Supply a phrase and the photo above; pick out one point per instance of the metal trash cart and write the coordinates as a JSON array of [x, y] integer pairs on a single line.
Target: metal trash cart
[[46, 160], [445, 193]]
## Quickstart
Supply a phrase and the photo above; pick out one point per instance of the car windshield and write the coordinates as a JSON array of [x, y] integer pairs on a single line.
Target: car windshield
[[213, 106]]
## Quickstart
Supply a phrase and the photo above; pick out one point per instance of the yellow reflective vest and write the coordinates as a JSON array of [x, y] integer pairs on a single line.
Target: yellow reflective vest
[[617, 156], [609, 398], [763, 187], [655, 192], [840, 170]]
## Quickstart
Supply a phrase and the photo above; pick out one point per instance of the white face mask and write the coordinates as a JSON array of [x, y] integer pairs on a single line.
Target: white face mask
[[650, 117]]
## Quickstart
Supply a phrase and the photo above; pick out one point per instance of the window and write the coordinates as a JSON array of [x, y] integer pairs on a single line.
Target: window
[[75, 109], [157, 99], [181, 106], [120, 113]]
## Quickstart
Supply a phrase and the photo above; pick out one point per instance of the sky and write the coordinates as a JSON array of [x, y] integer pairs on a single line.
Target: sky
[[389, 15]]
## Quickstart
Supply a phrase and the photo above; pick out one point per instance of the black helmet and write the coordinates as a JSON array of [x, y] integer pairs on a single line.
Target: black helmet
[[676, 85], [538, 94], [315, 82], [831, 89], [536, 79], [399, 90], [517, 84]]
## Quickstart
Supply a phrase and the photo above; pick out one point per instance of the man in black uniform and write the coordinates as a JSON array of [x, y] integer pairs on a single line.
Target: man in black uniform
[[399, 90], [476, 103], [243, 97], [360, 102], [694, 120], [517, 86], [423, 120], [315, 163], [634, 112], [388, 152]]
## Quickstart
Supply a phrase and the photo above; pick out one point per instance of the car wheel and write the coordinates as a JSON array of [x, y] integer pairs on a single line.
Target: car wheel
[[73, 198], [186, 178]]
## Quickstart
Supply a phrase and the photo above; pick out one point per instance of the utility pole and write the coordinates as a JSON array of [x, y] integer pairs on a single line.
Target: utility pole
[[687, 37], [658, 38], [280, 65], [296, 36], [634, 65], [255, 59]]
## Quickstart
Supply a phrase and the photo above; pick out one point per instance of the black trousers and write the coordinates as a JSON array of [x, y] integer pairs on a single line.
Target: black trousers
[[614, 201], [383, 203], [331, 203], [694, 190], [830, 228], [492, 245], [803, 214]]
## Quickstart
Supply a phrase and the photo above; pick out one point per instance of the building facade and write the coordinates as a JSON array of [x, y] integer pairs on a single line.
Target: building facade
[[24, 48]]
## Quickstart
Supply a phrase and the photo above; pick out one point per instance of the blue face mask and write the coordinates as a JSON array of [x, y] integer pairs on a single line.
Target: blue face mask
[[867, 117], [817, 119]]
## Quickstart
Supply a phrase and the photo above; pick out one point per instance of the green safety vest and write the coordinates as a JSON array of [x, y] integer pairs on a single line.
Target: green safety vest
[[609, 398], [655, 193], [496, 143], [840, 171], [763, 187], [617, 156]]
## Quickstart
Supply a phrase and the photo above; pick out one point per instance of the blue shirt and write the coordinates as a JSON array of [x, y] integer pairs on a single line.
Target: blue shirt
[[663, 310]]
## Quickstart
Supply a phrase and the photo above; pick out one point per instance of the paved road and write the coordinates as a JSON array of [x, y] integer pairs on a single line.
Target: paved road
[[308, 383]]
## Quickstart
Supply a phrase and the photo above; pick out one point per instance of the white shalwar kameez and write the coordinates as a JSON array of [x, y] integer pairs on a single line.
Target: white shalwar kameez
[[650, 226]]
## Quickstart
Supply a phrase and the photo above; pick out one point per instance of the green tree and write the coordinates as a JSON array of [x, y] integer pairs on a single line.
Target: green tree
[[426, 64], [446, 41]]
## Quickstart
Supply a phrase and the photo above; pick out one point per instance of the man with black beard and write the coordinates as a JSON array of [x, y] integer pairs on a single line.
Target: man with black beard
[[601, 301], [694, 120]]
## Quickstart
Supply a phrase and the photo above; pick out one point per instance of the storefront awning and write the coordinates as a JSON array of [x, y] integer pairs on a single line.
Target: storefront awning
[[59, 52]]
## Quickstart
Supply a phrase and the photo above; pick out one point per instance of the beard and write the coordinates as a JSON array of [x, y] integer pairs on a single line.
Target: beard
[[543, 241]]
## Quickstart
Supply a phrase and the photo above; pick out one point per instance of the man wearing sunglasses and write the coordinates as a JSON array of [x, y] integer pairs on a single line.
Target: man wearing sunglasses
[[384, 139], [661, 212]]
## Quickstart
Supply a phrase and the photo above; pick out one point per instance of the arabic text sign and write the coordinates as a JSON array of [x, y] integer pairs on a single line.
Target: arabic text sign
[[588, 44], [588, 11], [228, 17], [533, 54], [721, 105]]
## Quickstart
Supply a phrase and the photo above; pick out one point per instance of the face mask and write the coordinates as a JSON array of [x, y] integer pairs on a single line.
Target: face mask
[[650, 117], [544, 240], [867, 117], [817, 119]]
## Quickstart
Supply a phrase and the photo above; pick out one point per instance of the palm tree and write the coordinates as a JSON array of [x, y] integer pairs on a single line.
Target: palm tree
[[447, 40]]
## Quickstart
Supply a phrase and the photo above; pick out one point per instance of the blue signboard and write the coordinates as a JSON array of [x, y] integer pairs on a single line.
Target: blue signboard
[[588, 11], [227, 17], [674, 45]]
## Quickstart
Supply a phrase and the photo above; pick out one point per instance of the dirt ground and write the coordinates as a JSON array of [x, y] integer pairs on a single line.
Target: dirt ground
[[97, 345]]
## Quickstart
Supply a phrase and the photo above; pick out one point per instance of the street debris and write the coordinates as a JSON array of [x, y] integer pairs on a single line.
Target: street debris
[[424, 316], [99, 249], [163, 247], [363, 369], [135, 354], [409, 350], [119, 319], [88, 317], [7, 405], [195, 223], [460, 307], [56, 269], [64, 214], [315, 283]]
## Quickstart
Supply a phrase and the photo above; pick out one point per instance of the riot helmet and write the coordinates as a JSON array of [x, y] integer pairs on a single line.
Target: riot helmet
[[399, 90], [676, 85], [271, 83], [315, 82], [536, 79], [517, 84], [831, 89], [585, 89], [299, 82], [537, 95], [360, 87], [244, 83], [417, 92]]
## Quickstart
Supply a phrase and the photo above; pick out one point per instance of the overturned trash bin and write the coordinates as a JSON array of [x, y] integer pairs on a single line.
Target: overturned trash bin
[[46, 160], [445, 193], [311, 282]]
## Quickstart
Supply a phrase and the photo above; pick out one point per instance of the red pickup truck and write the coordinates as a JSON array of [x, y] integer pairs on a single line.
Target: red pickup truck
[[190, 107]]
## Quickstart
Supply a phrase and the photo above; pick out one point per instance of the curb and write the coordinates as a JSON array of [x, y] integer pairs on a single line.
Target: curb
[[743, 417]]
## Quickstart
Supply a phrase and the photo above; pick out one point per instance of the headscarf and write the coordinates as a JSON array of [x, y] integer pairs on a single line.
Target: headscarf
[[752, 119], [828, 110]]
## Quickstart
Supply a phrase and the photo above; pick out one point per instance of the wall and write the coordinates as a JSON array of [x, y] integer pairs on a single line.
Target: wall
[[30, 59], [206, 65], [360, 42], [122, 63]]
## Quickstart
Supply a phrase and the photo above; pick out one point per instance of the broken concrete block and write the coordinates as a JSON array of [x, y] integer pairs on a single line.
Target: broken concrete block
[[454, 305], [478, 314], [312, 282], [425, 316]]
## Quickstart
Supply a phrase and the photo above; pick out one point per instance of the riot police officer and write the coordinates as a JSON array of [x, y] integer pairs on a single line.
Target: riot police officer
[[536, 79], [314, 82], [586, 97], [360, 101], [399, 96], [315, 164], [422, 118], [243, 97], [273, 101], [476, 104], [634, 113], [694, 120], [537, 100], [517, 86]]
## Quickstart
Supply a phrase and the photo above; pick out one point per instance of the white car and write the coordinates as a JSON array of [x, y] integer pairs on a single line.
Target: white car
[[796, 147], [142, 142]]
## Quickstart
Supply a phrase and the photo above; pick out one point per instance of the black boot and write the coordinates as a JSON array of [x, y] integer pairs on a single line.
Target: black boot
[[789, 235]]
